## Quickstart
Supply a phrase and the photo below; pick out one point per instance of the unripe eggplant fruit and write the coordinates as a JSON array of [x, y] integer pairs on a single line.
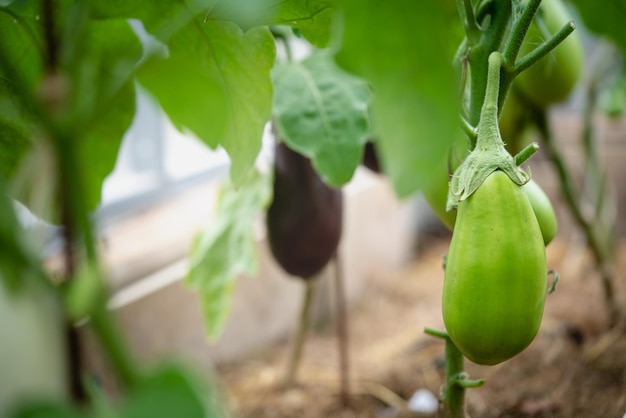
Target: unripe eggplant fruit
[[305, 218]]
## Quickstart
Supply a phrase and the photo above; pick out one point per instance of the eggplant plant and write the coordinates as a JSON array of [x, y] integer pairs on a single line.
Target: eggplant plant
[[69, 71], [304, 224]]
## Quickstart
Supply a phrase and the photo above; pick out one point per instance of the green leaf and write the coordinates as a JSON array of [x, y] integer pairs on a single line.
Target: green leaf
[[216, 82], [100, 106], [47, 410], [14, 142], [605, 18], [227, 248], [98, 150], [12, 263], [402, 49], [20, 43], [103, 97], [190, 95], [170, 392], [322, 112], [312, 17], [317, 29]]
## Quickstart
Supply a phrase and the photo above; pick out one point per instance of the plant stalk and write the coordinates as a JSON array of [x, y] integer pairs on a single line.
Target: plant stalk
[[456, 380], [300, 336], [478, 59], [342, 332], [453, 393], [518, 32], [114, 345], [603, 253]]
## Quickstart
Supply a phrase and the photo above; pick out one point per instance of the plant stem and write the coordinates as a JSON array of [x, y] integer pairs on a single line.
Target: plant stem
[[518, 32], [528, 151], [488, 130], [342, 332], [453, 393], [602, 255], [466, 11], [114, 346], [300, 336], [49, 27], [456, 381], [478, 59], [545, 48]]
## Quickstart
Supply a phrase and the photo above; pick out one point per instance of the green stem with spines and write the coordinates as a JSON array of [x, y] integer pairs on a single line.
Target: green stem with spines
[[478, 55], [456, 380], [519, 30]]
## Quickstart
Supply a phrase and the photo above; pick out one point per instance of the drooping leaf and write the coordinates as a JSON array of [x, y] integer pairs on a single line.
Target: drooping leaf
[[402, 49], [227, 248], [605, 18], [216, 303], [99, 149], [216, 83], [322, 112], [14, 142], [103, 97]]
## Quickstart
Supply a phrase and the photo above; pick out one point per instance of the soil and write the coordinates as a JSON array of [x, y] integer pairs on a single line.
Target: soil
[[576, 366]]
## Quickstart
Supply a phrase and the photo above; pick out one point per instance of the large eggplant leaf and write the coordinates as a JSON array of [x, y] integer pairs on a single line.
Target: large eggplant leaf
[[216, 83], [322, 112], [402, 49]]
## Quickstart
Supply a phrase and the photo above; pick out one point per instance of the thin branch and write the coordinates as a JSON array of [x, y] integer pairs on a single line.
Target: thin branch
[[466, 11], [602, 254], [469, 130], [523, 156], [544, 49], [300, 337], [518, 32], [342, 332]]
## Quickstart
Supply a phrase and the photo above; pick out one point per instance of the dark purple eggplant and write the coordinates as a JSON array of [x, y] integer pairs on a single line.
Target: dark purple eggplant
[[305, 218], [370, 157]]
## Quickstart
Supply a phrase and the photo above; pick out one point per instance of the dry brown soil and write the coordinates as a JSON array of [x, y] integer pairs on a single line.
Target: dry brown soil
[[576, 367]]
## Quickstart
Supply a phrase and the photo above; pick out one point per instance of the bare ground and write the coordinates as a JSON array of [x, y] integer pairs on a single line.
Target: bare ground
[[576, 367]]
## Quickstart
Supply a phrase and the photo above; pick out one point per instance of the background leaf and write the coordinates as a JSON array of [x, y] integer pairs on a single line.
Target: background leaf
[[22, 47], [97, 68], [414, 106], [322, 113], [227, 247], [169, 392], [313, 18], [216, 82], [605, 18], [48, 410]]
